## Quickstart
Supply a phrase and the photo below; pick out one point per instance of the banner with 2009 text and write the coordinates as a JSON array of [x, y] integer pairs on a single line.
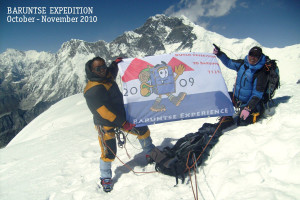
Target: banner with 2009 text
[[172, 87]]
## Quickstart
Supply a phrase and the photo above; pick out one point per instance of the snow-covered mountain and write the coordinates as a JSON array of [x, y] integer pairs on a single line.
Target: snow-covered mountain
[[56, 156], [32, 81]]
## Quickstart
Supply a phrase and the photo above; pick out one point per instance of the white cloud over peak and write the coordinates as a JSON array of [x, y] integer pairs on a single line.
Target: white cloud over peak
[[195, 9]]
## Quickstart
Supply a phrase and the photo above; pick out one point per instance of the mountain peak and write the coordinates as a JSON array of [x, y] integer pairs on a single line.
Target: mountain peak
[[12, 52], [71, 43]]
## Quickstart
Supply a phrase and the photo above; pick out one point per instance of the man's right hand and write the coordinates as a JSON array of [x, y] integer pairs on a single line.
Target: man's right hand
[[216, 50]]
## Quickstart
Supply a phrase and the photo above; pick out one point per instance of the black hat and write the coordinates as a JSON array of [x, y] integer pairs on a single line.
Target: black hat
[[256, 52]]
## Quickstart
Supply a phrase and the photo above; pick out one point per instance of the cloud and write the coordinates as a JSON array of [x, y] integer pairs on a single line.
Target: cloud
[[244, 5], [195, 9]]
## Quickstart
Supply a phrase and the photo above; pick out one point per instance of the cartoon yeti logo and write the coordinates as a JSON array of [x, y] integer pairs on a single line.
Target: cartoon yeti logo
[[160, 80]]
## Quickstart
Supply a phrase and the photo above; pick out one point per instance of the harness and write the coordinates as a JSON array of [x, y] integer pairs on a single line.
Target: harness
[[118, 132]]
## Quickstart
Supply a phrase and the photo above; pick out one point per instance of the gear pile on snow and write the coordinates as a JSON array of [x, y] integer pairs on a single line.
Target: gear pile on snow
[[175, 161]]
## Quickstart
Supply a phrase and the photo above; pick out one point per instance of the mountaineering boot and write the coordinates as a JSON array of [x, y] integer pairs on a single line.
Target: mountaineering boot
[[227, 121], [157, 107], [177, 100], [106, 184]]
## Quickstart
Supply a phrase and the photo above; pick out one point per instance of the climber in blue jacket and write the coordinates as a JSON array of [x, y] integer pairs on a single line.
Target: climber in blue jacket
[[250, 84]]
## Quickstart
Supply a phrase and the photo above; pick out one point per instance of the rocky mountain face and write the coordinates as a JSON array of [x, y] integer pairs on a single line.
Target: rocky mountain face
[[32, 81]]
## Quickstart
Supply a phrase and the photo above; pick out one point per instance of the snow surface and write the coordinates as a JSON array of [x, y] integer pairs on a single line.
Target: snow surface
[[56, 157]]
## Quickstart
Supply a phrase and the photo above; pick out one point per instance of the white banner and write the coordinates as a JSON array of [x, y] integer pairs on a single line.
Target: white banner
[[173, 87]]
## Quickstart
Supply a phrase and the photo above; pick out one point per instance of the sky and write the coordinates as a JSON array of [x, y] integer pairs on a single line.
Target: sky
[[273, 23]]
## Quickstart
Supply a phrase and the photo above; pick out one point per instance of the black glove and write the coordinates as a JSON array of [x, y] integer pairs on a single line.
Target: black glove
[[217, 50]]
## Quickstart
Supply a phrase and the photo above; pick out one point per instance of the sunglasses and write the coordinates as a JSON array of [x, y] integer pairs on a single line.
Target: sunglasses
[[253, 54], [99, 68]]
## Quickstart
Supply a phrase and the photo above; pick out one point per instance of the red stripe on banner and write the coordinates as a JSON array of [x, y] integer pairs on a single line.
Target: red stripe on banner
[[175, 62], [133, 70]]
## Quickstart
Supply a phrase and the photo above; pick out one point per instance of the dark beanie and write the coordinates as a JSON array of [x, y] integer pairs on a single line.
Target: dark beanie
[[255, 51]]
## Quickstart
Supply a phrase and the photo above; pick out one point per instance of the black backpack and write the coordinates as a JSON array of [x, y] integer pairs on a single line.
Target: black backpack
[[273, 77], [175, 161]]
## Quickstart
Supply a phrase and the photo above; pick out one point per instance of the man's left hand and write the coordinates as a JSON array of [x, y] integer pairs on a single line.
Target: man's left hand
[[118, 60]]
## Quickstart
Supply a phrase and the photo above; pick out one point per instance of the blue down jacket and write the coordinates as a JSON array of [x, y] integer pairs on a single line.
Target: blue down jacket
[[250, 85]]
